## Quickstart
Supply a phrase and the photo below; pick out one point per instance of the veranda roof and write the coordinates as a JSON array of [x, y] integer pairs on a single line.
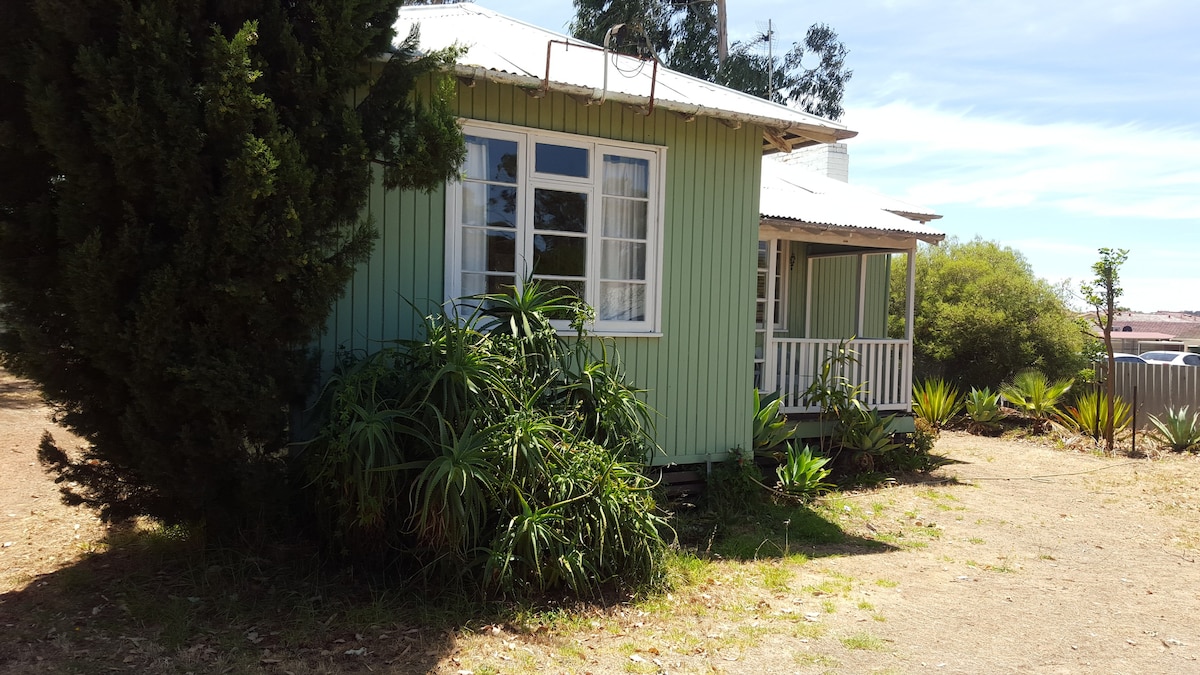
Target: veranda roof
[[800, 197]]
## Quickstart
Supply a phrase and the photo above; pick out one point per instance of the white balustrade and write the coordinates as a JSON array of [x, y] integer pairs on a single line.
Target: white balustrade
[[881, 370]]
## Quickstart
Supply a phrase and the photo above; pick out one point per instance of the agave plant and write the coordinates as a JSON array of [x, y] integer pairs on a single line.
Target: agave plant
[[802, 475], [1177, 430], [867, 436], [1089, 415], [1031, 392], [770, 426], [936, 401], [983, 407]]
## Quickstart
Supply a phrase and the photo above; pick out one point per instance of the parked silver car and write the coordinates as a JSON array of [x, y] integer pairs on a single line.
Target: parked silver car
[[1172, 358]]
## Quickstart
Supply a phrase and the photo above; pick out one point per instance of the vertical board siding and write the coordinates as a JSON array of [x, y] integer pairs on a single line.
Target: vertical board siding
[[797, 291], [698, 375], [1159, 387], [834, 296], [875, 313]]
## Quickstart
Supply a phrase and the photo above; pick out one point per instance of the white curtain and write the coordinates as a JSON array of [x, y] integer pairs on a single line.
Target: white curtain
[[624, 239]]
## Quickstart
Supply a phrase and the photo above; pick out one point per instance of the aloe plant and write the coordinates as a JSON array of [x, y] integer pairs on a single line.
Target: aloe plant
[[1089, 415], [936, 401], [1177, 430]]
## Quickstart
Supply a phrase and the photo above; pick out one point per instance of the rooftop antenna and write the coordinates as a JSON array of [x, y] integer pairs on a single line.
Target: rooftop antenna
[[768, 36]]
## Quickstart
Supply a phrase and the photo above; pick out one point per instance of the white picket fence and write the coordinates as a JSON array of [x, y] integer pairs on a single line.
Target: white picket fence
[[1156, 388]]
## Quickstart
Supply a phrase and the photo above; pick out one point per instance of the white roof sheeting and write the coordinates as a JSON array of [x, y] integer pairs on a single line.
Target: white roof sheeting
[[792, 193], [504, 49]]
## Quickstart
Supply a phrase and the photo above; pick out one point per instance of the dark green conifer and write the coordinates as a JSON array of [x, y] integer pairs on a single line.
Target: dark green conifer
[[181, 186]]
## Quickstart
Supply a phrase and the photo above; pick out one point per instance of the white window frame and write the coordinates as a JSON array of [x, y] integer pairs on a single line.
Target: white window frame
[[528, 180]]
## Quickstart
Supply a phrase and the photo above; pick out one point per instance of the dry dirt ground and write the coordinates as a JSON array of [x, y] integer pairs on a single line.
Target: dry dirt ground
[[1017, 557]]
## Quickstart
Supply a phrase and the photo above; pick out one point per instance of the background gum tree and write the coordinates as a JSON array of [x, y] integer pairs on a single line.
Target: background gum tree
[[1102, 293], [684, 37], [180, 195]]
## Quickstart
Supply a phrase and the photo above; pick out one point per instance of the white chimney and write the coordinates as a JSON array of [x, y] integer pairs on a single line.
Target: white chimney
[[829, 159]]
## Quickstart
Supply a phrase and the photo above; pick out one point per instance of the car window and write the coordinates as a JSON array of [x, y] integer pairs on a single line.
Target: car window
[[1192, 359], [1158, 356]]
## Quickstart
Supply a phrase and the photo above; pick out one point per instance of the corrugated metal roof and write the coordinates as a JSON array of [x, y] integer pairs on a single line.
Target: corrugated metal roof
[[793, 193], [505, 49]]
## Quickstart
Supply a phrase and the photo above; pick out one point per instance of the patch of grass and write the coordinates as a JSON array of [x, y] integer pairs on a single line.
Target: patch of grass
[[976, 540], [862, 641], [1046, 556], [775, 577], [863, 604], [808, 630], [820, 660], [878, 617], [829, 606], [886, 583]]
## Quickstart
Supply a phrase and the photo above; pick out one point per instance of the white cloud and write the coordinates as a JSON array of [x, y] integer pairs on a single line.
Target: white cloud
[[990, 161]]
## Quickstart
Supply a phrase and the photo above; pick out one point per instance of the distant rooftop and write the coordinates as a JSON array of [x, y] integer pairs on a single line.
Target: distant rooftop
[[502, 49]]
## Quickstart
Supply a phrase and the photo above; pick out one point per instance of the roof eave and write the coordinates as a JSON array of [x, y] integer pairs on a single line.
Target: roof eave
[[927, 237], [778, 134]]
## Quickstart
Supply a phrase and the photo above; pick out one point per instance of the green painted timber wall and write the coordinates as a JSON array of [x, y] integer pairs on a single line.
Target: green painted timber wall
[[699, 373], [835, 281]]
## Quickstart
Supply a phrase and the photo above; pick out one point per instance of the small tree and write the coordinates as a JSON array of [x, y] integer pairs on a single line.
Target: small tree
[[1102, 293]]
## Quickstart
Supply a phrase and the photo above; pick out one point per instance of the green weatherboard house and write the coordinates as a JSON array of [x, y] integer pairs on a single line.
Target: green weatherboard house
[[712, 269]]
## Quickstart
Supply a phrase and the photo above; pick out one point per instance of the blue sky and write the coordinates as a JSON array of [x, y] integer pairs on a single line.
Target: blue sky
[[1055, 127]]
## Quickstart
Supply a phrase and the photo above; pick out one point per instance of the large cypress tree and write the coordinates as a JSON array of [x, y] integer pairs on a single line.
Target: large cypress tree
[[180, 194]]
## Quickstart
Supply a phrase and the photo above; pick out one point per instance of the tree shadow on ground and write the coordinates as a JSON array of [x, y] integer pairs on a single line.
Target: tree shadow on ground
[[157, 602], [17, 394], [770, 531]]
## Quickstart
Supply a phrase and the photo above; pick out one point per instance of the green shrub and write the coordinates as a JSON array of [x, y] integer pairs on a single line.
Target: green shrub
[[734, 486], [1089, 415], [936, 401], [1177, 430], [802, 475], [493, 452], [1035, 395]]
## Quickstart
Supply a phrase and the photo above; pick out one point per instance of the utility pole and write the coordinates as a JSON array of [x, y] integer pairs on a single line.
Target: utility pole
[[722, 34]]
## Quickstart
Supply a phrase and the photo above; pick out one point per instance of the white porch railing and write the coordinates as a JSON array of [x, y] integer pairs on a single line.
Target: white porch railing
[[883, 369]]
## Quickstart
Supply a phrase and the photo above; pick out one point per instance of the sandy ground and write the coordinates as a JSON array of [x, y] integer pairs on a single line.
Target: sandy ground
[[1018, 557]]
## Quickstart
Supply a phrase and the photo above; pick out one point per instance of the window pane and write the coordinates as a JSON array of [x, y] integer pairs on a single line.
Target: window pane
[[762, 254], [559, 256], [559, 210], [478, 284], [626, 176], [622, 302], [623, 260], [762, 286], [564, 289], [624, 218], [491, 159], [561, 159], [489, 250], [490, 205]]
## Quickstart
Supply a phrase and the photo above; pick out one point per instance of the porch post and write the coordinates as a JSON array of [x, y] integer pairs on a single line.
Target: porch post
[[769, 383], [860, 319], [909, 311], [910, 297]]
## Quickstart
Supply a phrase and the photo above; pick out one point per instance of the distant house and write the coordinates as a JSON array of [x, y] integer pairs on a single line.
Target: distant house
[[1136, 332], [639, 188]]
